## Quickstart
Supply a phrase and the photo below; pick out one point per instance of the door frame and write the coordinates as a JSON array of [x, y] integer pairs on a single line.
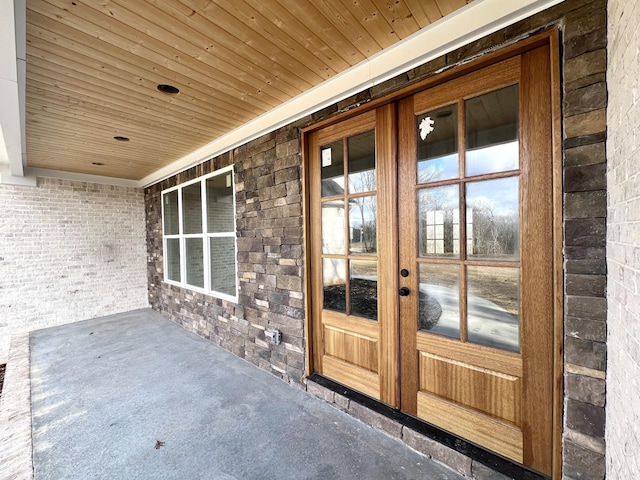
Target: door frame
[[551, 39]]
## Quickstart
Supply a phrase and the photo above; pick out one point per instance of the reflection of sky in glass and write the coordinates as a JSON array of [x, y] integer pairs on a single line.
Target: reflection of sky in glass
[[438, 198], [441, 168], [495, 158], [500, 195]]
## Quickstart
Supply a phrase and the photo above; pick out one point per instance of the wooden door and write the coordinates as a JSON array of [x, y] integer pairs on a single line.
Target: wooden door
[[476, 228], [432, 256], [353, 239]]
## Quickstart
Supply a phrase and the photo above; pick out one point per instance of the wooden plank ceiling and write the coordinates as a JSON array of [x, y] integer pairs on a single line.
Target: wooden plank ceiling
[[93, 68]]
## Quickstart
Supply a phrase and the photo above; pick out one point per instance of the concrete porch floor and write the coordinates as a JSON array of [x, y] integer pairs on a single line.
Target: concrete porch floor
[[134, 396]]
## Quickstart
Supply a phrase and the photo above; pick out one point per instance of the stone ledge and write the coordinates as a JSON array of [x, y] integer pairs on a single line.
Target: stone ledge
[[15, 413]]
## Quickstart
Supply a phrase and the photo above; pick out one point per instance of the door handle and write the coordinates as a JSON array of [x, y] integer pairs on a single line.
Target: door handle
[[403, 292]]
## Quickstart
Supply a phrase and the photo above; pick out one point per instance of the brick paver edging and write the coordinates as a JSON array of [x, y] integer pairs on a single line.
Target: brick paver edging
[[15, 413]]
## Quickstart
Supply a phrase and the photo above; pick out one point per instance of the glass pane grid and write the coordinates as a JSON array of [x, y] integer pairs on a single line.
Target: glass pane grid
[[468, 224], [349, 226]]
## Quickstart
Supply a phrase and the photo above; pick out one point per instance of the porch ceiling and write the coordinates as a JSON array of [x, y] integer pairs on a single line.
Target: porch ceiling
[[93, 70]]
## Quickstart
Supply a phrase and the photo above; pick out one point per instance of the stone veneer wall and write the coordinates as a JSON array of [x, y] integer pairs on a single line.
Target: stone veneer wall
[[623, 236], [270, 243], [69, 251]]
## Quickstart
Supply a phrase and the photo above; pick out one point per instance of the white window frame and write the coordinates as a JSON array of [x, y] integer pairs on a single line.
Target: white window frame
[[205, 236]]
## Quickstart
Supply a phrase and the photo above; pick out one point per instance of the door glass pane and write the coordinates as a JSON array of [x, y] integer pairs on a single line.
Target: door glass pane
[[332, 172], [173, 259], [222, 256], [437, 144], [362, 225], [220, 214], [493, 307], [438, 222], [492, 132], [171, 219], [362, 162], [439, 299], [334, 281], [194, 262], [333, 234], [363, 288], [493, 219], [192, 208]]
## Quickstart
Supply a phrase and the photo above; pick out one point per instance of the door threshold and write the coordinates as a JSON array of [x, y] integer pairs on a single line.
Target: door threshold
[[474, 454]]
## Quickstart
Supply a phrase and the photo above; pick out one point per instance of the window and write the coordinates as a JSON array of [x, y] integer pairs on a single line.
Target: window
[[199, 238]]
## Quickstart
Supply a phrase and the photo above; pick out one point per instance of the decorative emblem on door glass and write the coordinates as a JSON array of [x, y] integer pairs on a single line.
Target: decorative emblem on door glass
[[426, 127]]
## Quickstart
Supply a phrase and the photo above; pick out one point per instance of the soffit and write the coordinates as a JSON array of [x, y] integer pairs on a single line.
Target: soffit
[[93, 68]]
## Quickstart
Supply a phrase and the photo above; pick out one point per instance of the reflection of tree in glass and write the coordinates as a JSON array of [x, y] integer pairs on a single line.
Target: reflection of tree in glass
[[363, 212], [493, 235]]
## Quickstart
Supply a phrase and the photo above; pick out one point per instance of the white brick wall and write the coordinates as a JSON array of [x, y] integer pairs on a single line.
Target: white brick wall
[[623, 241], [69, 251]]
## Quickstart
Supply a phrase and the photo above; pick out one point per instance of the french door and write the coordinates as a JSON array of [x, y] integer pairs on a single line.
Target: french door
[[432, 256]]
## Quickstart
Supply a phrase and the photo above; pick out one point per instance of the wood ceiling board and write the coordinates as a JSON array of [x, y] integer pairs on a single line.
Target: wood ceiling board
[[325, 30], [43, 92], [101, 127], [166, 109], [226, 47], [305, 36], [373, 20], [125, 41], [251, 43], [399, 17], [93, 68], [349, 26], [196, 45], [85, 46]]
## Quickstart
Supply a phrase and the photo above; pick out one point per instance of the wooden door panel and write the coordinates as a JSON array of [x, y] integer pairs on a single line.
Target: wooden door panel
[[352, 375], [351, 347], [501, 437], [493, 393]]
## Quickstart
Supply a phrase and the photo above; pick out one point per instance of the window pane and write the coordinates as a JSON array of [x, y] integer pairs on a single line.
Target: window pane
[[362, 162], [334, 280], [492, 132], [333, 234], [493, 307], [173, 259], [194, 262], [438, 144], [220, 214], [363, 289], [171, 219], [439, 300], [222, 255], [192, 208], [332, 158], [438, 222], [362, 225], [492, 219]]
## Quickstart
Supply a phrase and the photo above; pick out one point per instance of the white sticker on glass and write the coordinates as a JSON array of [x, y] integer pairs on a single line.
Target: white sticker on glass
[[326, 157], [426, 127]]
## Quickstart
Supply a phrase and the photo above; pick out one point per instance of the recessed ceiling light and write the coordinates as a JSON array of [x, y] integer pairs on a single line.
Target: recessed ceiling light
[[97, 163], [168, 89], [121, 139]]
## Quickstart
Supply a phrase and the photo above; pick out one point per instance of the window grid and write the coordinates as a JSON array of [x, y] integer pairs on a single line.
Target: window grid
[[205, 237]]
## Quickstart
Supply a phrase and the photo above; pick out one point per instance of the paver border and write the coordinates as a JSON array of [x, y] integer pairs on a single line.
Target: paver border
[[16, 445]]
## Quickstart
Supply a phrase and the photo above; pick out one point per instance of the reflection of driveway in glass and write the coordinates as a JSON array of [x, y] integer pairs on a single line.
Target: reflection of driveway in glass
[[489, 324]]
